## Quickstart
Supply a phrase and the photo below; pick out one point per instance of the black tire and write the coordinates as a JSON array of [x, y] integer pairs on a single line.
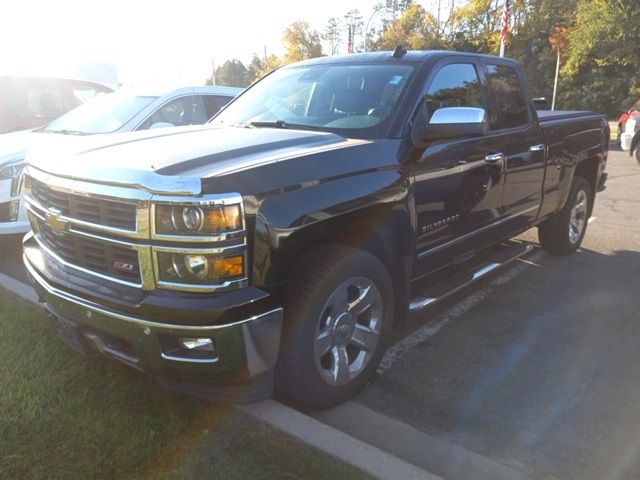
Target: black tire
[[554, 234], [305, 376], [637, 154]]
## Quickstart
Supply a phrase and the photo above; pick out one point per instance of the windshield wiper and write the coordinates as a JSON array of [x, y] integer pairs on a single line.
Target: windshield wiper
[[283, 124]]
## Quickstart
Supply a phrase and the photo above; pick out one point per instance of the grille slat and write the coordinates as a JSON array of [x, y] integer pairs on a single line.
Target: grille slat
[[109, 213]]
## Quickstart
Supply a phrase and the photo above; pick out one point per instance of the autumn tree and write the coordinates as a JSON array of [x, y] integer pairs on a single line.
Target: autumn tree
[[415, 29], [301, 42]]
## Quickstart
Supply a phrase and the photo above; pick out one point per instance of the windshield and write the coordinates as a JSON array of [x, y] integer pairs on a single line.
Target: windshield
[[348, 99], [103, 114]]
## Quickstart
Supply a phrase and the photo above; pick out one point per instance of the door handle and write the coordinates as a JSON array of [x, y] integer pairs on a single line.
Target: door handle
[[493, 157], [537, 148]]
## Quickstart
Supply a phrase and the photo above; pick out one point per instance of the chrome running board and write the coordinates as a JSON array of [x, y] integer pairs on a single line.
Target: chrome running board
[[509, 252]]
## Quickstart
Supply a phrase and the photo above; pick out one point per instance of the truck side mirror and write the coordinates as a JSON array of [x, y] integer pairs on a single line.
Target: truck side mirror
[[448, 122]]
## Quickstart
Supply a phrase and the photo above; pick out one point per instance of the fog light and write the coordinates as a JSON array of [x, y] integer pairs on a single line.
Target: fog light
[[188, 349], [202, 344]]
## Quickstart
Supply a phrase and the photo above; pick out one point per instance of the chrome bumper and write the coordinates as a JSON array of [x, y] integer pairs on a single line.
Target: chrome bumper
[[245, 350]]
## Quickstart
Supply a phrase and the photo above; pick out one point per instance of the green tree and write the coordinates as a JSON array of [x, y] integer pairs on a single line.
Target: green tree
[[603, 57], [332, 34], [301, 42], [232, 73], [353, 21], [261, 66]]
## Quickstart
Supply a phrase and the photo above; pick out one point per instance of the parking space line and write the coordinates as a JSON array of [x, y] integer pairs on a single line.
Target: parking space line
[[436, 455], [417, 337]]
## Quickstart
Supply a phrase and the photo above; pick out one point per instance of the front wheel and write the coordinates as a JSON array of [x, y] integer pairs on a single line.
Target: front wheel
[[338, 315], [564, 232]]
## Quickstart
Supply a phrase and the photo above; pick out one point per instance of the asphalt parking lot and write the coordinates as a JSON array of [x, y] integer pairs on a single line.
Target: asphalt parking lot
[[538, 373], [532, 373]]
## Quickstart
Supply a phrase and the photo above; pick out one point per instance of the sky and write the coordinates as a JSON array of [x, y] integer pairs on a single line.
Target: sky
[[154, 44]]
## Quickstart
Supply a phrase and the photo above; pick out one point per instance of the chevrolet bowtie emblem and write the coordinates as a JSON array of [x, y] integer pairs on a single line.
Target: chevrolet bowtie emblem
[[57, 224]]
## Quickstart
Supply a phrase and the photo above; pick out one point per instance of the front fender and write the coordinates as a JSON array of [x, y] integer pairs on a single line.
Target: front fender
[[325, 211]]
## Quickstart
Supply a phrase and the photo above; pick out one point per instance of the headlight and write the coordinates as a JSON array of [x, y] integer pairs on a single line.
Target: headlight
[[197, 220], [13, 170], [199, 269]]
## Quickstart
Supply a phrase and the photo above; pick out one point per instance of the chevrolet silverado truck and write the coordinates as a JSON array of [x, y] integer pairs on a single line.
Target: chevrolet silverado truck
[[271, 249]]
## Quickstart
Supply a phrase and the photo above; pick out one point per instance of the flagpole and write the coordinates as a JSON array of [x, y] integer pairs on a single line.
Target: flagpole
[[504, 26]]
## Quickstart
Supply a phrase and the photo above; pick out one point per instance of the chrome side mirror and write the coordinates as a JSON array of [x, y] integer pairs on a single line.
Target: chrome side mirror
[[449, 122]]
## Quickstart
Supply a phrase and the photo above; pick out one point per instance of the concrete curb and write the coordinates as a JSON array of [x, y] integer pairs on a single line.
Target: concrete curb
[[372, 460], [21, 289]]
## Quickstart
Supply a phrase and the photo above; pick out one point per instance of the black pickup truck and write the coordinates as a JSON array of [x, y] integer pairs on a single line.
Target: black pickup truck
[[276, 245]]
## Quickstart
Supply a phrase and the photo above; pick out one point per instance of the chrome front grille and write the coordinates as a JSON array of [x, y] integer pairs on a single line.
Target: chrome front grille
[[92, 255], [106, 230], [109, 213]]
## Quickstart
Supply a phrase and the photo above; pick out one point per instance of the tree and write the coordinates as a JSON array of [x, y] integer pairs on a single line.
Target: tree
[[259, 67], [414, 29], [301, 42], [603, 57], [354, 28], [232, 73], [332, 35]]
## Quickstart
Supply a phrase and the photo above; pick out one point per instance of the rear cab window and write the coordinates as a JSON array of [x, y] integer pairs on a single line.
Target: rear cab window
[[509, 107]]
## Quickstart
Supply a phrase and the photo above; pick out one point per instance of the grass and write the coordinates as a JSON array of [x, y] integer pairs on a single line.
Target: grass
[[65, 416]]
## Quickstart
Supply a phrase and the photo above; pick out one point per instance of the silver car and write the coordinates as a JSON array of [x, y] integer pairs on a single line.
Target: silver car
[[109, 113]]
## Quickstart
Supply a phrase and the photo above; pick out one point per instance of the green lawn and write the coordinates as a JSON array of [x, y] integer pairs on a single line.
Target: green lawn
[[66, 416]]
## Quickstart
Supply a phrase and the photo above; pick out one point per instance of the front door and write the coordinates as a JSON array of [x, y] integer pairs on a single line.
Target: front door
[[458, 184]]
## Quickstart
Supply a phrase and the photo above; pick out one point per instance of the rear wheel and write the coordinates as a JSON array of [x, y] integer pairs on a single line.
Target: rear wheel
[[564, 232], [338, 315]]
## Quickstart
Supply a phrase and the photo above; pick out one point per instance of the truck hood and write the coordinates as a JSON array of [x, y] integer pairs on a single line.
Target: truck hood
[[175, 160]]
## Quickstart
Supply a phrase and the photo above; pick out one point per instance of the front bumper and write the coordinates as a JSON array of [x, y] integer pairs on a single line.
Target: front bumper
[[245, 349]]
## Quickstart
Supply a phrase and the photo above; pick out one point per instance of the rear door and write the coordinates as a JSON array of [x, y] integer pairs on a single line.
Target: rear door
[[458, 182], [511, 117]]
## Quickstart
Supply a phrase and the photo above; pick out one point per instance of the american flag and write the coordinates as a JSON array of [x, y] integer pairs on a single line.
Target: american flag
[[504, 25]]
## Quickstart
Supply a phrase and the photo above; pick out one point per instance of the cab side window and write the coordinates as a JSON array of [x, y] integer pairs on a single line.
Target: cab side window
[[455, 85], [189, 110], [214, 103], [509, 106]]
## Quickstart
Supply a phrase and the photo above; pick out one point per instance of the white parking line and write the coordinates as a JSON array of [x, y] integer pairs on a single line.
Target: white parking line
[[416, 338]]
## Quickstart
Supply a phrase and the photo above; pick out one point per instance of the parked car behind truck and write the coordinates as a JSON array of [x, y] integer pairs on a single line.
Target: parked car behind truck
[[119, 112], [28, 102], [281, 242]]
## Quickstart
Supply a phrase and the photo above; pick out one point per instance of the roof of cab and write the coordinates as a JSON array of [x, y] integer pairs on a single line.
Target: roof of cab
[[412, 56]]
